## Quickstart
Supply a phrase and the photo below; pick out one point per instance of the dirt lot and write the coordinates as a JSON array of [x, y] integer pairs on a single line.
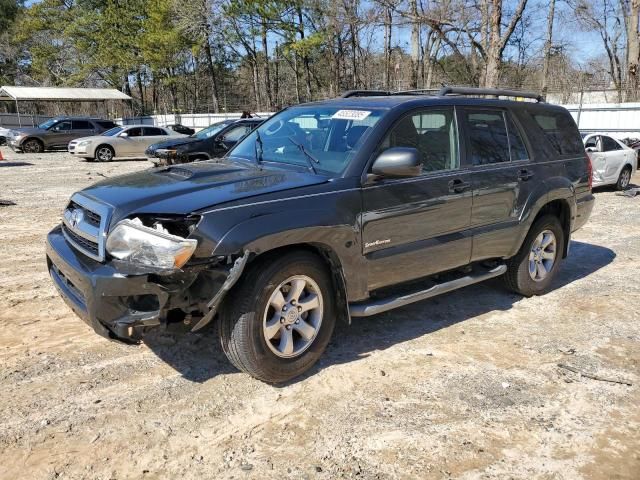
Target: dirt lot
[[463, 386]]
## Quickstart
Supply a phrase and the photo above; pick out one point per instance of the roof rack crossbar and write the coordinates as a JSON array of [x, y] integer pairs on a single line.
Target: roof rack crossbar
[[497, 92], [365, 93]]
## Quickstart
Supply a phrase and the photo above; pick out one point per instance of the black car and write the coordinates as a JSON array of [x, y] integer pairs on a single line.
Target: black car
[[56, 133], [212, 142], [182, 129], [330, 210]]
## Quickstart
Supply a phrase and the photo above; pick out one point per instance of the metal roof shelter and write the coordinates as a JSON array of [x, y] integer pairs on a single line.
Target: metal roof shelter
[[59, 94]]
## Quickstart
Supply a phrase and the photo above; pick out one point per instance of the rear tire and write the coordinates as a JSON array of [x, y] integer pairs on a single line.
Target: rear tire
[[624, 179], [278, 321], [531, 271]]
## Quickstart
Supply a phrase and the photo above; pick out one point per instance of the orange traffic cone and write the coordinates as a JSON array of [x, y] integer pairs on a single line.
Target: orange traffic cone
[[1, 157]]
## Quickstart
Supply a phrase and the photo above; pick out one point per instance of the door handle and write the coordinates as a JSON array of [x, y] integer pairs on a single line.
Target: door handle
[[458, 186], [524, 175]]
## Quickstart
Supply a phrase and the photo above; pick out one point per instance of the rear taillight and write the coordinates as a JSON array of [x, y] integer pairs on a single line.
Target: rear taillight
[[589, 169]]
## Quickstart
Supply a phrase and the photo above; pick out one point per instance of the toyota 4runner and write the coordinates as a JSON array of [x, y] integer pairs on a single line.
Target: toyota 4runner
[[330, 210]]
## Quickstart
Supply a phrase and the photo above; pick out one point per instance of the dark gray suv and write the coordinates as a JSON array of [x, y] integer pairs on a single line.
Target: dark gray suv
[[327, 211], [56, 133]]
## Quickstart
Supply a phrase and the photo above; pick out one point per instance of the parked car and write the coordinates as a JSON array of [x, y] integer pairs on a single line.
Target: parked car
[[633, 143], [56, 133], [614, 163], [4, 134], [182, 129], [120, 142], [214, 141], [330, 210]]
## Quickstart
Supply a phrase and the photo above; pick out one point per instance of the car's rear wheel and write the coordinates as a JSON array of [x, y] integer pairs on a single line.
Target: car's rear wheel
[[104, 153], [279, 320], [32, 145], [624, 179], [532, 270]]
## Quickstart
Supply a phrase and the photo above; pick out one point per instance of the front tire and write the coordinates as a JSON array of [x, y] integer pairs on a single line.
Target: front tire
[[32, 145], [624, 179], [278, 321], [533, 268], [104, 153]]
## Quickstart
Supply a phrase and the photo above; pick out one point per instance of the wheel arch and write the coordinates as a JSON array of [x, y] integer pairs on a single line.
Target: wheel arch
[[561, 209], [111, 147], [329, 258]]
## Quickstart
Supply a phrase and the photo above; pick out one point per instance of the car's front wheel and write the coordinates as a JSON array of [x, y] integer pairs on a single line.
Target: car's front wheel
[[279, 320], [32, 145], [532, 270], [104, 153]]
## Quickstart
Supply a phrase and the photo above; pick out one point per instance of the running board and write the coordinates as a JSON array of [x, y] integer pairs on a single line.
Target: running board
[[374, 307]]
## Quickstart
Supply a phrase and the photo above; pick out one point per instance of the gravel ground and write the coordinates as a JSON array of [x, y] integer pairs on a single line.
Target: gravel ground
[[463, 386]]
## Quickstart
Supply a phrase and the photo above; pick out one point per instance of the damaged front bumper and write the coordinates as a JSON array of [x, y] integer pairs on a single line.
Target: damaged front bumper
[[123, 306]]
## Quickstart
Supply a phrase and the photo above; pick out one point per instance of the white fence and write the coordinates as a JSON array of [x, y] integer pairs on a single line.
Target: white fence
[[197, 121], [621, 120]]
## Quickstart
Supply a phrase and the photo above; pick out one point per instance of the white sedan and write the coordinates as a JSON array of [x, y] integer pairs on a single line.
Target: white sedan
[[613, 162], [121, 142]]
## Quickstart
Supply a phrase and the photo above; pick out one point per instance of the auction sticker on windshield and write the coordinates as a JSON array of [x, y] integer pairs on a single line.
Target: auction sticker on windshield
[[351, 115]]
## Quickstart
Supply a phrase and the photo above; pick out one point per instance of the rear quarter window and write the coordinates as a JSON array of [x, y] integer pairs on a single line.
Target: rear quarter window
[[560, 130]]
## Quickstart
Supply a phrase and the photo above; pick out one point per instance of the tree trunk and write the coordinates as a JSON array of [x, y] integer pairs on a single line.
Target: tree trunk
[[633, 51], [387, 48], [547, 47], [267, 74], [305, 57], [494, 55], [415, 45], [212, 76], [140, 91]]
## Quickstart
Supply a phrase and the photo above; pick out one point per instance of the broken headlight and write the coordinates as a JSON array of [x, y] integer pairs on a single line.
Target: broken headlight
[[134, 242]]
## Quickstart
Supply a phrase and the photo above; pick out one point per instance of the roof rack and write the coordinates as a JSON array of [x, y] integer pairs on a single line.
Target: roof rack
[[364, 93], [496, 92]]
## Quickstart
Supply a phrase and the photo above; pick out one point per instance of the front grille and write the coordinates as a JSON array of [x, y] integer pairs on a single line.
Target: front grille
[[82, 242], [91, 218]]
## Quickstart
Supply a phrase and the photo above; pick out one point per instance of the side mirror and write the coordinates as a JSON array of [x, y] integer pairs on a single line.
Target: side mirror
[[124, 134], [398, 162], [591, 149]]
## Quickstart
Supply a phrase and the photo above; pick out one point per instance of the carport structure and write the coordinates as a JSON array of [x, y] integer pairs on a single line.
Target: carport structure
[[58, 94]]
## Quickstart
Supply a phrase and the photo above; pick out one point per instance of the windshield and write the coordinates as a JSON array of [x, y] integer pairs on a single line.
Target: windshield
[[211, 130], [328, 137], [112, 132], [47, 124]]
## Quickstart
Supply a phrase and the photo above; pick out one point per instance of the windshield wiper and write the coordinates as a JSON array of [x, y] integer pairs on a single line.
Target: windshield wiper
[[258, 146], [307, 155]]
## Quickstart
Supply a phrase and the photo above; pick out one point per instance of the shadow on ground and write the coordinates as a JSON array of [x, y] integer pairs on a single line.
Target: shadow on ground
[[14, 164], [198, 357]]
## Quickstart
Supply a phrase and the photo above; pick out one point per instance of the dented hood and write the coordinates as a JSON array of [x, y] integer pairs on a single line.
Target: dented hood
[[187, 188]]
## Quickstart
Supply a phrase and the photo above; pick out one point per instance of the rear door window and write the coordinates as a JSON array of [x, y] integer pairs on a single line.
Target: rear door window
[[487, 136], [517, 147], [609, 144], [135, 132], [561, 132], [153, 132], [82, 125]]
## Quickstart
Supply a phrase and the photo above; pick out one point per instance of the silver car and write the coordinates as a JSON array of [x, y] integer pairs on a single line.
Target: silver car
[[120, 142]]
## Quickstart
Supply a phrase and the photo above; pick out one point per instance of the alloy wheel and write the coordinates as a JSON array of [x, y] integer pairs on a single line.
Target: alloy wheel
[[542, 256], [293, 316], [104, 154]]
